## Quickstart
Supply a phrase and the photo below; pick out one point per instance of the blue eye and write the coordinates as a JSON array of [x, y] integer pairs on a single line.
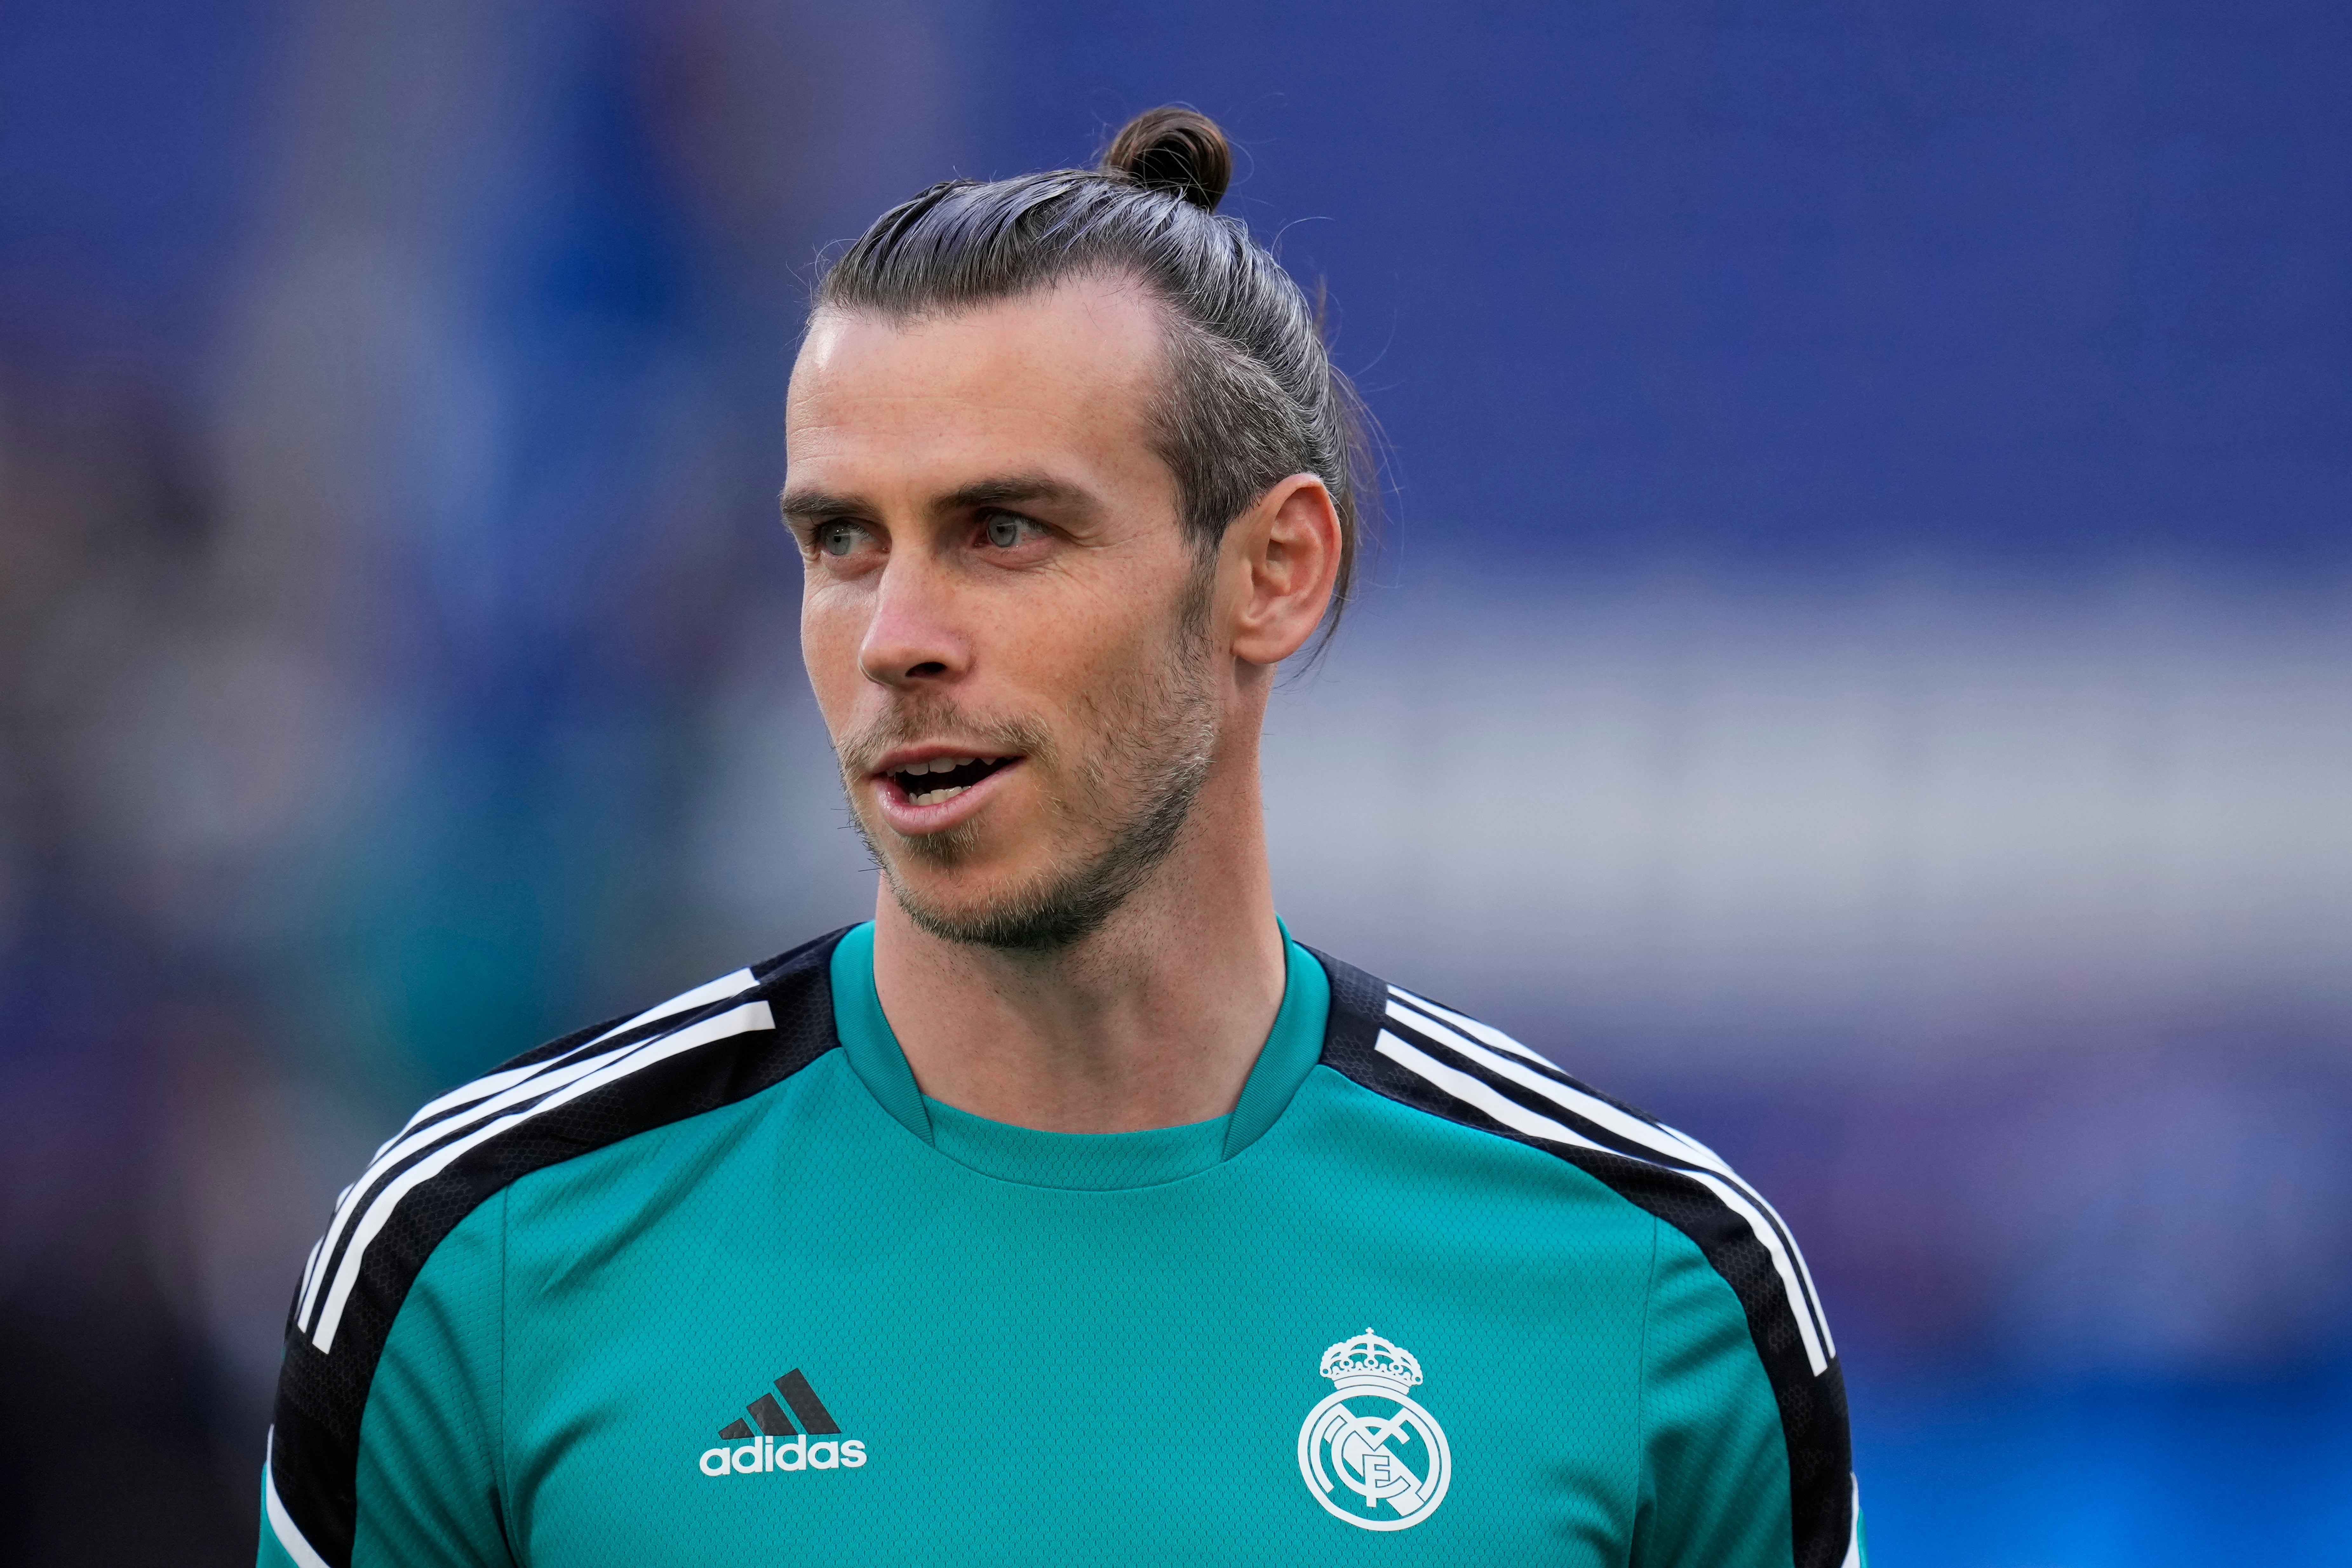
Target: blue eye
[[838, 538], [1006, 530]]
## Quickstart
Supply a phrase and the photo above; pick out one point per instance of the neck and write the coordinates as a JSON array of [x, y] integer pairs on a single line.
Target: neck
[[1154, 1020]]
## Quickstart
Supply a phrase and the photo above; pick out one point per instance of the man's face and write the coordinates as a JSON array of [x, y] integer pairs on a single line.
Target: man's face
[[1003, 621]]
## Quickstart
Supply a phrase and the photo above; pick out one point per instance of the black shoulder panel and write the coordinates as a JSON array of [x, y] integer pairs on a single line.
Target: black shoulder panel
[[1655, 1172], [571, 1097]]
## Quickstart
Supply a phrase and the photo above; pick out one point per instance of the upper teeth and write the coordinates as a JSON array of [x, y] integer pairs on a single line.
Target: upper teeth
[[939, 765]]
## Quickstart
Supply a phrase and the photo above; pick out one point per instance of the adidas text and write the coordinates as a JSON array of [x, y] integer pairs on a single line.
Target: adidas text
[[766, 1453]]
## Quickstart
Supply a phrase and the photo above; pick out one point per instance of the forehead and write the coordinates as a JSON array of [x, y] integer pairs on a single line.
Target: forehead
[[1058, 381]]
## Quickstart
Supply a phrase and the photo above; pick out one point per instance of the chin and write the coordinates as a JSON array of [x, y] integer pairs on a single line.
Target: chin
[[1042, 911], [1032, 884]]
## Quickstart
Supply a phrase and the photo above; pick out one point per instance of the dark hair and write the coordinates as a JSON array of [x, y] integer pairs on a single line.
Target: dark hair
[[1251, 398]]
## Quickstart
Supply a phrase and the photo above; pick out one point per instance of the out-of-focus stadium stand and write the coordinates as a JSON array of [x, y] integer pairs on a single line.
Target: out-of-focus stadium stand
[[1858, 661]]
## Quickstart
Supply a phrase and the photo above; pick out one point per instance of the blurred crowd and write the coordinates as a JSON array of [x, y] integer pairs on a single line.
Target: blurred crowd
[[398, 665], [362, 645]]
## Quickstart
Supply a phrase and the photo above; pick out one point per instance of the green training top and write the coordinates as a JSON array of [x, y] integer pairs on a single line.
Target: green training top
[[719, 1283]]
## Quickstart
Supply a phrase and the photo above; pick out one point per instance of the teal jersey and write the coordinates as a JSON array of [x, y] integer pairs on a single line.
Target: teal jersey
[[719, 1282]]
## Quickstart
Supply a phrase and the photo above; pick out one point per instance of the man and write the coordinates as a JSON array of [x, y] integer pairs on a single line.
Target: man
[[1068, 1210]]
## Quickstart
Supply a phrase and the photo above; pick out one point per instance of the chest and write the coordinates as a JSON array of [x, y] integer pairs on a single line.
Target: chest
[[897, 1363]]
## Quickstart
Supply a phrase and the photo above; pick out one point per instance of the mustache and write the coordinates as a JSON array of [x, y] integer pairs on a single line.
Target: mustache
[[933, 720]]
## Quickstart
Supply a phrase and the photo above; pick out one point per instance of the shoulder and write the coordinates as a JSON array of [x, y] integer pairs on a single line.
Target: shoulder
[[704, 1049], [1441, 1061], [1447, 1064], [708, 1048]]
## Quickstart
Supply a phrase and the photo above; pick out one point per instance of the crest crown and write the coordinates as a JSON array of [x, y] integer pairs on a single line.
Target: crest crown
[[1370, 1360]]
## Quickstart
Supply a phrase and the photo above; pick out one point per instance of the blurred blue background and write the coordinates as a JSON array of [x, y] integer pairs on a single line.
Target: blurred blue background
[[1859, 661]]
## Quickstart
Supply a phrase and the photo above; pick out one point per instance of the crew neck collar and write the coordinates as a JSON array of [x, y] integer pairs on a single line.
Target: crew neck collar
[[1082, 1161]]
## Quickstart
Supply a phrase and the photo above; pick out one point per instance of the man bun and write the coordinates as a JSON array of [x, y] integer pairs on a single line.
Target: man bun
[[1177, 150]]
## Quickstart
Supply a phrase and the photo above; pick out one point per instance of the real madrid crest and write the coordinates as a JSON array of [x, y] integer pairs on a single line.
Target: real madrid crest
[[1370, 1455]]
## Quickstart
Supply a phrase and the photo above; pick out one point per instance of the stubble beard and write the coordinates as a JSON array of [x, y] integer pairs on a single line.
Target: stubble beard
[[1149, 747]]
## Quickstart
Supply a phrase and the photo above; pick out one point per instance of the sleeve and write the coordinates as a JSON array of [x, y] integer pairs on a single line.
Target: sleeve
[[424, 1488], [1719, 1487]]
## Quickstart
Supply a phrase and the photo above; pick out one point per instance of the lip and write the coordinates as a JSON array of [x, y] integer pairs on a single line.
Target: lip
[[914, 821]]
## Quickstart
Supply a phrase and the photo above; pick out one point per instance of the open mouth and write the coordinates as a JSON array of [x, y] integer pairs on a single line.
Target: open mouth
[[942, 779]]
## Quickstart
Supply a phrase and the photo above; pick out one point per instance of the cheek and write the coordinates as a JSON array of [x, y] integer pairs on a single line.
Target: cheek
[[1111, 670], [831, 630], [1073, 657]]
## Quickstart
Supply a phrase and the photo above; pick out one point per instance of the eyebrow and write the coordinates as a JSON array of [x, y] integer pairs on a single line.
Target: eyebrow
[[815, 506], [1008, 489], [1014, 489]]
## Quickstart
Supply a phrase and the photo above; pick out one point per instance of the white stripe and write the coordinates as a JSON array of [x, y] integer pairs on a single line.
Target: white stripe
[[1590, 1107], [717, 990], [1486, 1032], [1463, 1086], [709, 991], [1804, 1269], [318, 1251], [1816, 1356], [741, 1020], [1518, 1118], [310, 1268], [281, 1523], [1634, 1130], [1504, 1042], [491, 1095], [552, 1075]]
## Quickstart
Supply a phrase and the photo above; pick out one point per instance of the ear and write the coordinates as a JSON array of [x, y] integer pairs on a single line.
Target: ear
[[1280, 561]]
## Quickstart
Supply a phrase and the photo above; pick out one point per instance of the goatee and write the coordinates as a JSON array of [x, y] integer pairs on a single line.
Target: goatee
[[1149, 750]]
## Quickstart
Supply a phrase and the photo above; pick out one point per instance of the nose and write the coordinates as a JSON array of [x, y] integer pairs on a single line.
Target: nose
[[913, 639]]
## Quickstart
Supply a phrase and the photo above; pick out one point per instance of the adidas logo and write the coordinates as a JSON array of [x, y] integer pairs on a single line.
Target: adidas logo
[[813, 1444]]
